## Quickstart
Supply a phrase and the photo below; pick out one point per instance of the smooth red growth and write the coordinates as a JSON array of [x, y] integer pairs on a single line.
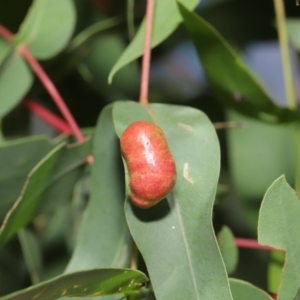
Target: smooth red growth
[[151, 167]]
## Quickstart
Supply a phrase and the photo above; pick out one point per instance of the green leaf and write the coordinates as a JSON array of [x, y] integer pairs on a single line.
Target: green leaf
[[47, 27], [242, 290], [50, 182], [278, 227], [275, 270], [103, 52], [176, 237], [17, 159], [15, 78], [162, 27], [32, 253], [86, 283], [228, 249], [229, 78], [104, 239], [293, 29], [266, 150]]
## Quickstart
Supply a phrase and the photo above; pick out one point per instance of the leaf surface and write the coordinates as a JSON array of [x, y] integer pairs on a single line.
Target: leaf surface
[[50, 182], [228, 249], [104, 239], [85, 283], [176, 237], [242, 290], [47, 27], [166, 20], [278, 227], [15, 78], [229, 78], [17, 159]]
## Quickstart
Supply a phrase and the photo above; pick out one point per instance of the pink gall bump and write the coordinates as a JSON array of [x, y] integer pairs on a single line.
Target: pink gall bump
[[151, 167]]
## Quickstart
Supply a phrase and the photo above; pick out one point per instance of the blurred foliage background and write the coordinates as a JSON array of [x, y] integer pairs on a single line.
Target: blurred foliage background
[[253, 154]]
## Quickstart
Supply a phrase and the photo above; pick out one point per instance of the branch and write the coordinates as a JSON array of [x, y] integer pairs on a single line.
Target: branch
[[147, 53]]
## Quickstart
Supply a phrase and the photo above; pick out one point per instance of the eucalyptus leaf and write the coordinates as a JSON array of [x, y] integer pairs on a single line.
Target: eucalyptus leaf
[[229, 78], [104, 239], [176, 237], [15, 78], [50, 182], [17, 158], [278, 227], [47, 27], [166, 20], [242, 290], [228, 249], [293, 29], [85, 283], [32, 253]]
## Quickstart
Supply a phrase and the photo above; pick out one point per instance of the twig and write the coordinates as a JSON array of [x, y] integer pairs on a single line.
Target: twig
[[147, 53], [252, 244], [47, 116]]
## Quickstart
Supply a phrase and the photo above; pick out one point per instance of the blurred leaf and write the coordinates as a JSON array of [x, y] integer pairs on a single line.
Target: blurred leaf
[[228, 248], [293, 29], [242, 290], [50, 182], [85, 35], [32, 253], [162, 27], [17, 158], [278, 227], [228, 76], [275, 270], [103, 52], [176, 237], [86, 283], [47, 27], [104, 239], [266, 152], [15, 78]]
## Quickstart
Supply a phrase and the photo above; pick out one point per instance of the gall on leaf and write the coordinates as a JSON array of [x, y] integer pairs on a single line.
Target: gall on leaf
[[151, 167]]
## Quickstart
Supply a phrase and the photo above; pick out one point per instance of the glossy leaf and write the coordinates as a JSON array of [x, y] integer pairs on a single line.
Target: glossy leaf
[[85, 283], [15, 78], [17, 159], [229, 78], [228, 249], [242, 290], [47, 27], [50, 182], [278, 227], [163, 26], [176, 237], [104, 239]]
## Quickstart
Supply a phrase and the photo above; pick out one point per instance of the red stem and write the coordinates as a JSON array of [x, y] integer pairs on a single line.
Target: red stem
[[53, 92], [147, 53], [252, 244], [6, 33], [48, 84], [47, 116]]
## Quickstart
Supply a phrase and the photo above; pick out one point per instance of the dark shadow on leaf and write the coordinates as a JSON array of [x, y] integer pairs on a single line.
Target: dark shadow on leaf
[[155, 213]]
